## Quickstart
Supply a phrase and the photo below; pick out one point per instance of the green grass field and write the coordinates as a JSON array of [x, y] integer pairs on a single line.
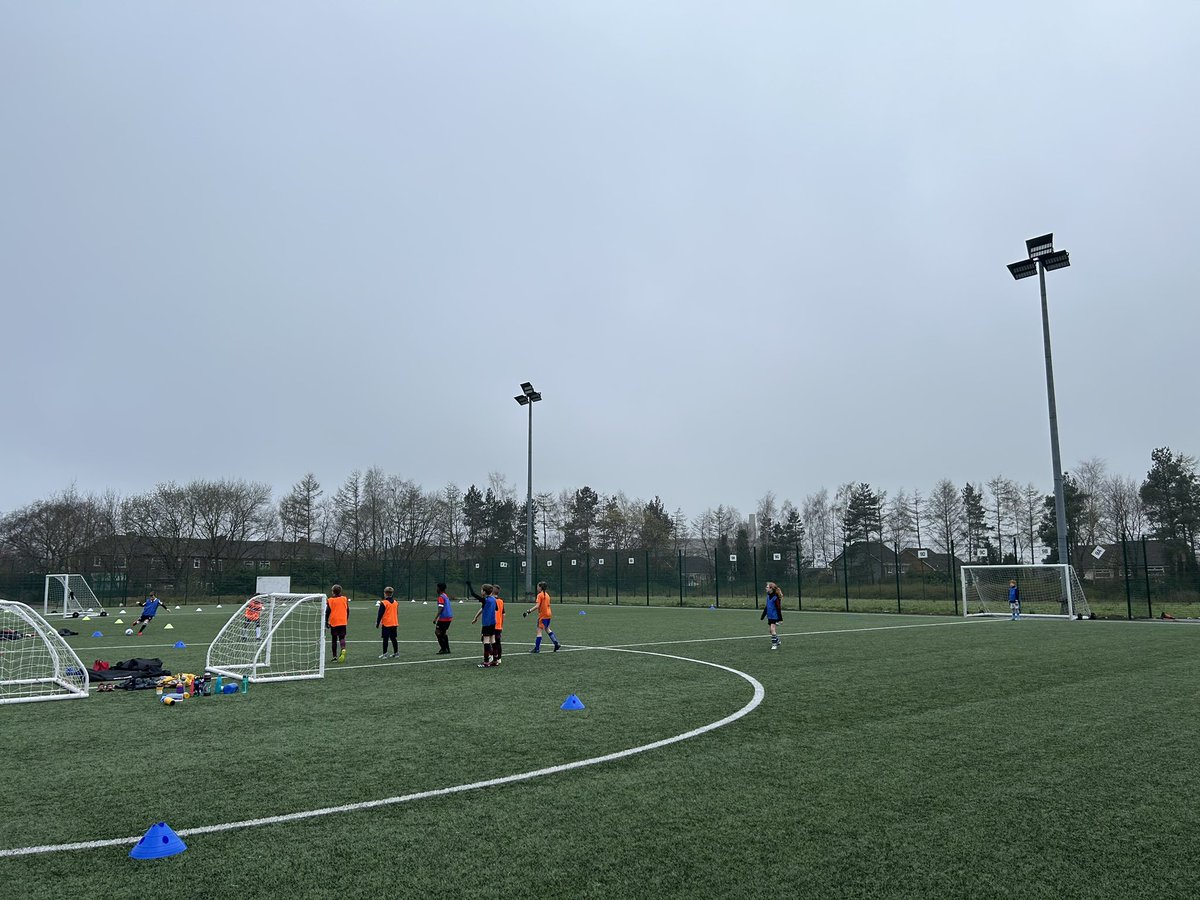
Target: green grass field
[[890, 756]]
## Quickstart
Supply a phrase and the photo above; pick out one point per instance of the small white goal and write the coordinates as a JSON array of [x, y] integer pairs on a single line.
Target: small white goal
[[272, 637], [71, 596], [35, 662], [1045, 591]]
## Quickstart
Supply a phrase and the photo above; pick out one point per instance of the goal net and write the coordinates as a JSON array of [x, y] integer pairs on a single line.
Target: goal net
[[272, 637], [1047, 591], [35, 662], [71, 596]]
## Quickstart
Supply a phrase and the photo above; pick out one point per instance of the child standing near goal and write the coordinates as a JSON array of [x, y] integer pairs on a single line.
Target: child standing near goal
[[1014, 599], [543, 618], [253, 618], [773, 612], [149, 607], [388, 619], [444, 619], [337, 616]]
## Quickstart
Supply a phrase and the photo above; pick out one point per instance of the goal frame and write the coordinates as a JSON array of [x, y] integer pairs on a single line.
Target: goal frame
[[61, 655], [70, 590], [1072, 591], [262, 658]]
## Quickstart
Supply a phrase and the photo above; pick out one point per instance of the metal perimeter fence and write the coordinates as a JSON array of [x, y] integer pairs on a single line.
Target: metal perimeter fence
[[852, 583]]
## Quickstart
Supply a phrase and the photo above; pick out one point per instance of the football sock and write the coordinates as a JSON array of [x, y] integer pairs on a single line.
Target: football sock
[[537, 643], [552, 637]]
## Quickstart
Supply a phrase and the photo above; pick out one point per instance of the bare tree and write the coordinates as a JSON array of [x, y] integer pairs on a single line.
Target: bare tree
[[230, 514], [764, 517], [165, 520], [898, 520], [1004, 508], [944, 509], [415, 515], [1090, 476], [451, 528], [819, 526], [1032, 499], [58, 532], [1124, 515]]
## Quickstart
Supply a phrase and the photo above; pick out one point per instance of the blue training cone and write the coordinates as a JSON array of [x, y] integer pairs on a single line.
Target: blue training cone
[[97, 634], [179, 645], [157, 842], [711, 606], [572, 702], [583, 612]]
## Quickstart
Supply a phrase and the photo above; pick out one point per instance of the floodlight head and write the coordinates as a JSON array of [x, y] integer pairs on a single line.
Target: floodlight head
[[1040, 246], [535, 397], [1023, 269], [527, 388], [1060, 259], [522, 399]]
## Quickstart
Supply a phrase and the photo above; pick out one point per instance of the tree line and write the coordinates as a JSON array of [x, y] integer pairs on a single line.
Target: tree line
[[374, 515]]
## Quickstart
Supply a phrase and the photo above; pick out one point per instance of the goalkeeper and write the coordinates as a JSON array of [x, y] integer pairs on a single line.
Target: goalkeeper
[[1014, 599]]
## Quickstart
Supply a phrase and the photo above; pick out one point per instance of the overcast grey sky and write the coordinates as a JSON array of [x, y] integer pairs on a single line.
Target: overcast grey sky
[[739, 247]]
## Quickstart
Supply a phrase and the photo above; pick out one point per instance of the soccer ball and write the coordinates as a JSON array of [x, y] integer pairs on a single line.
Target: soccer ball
[[129, 631]]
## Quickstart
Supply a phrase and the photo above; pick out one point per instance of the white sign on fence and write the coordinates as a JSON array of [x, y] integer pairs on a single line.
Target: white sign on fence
[[274, 584]]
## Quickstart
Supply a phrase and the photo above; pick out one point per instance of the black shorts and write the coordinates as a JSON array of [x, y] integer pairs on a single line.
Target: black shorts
[[144, 619], [337, 631], [774, 621], [488, 630]]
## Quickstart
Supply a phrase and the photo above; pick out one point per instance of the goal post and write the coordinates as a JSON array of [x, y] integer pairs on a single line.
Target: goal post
[[272, 637], [1045, 591], [36, 663], [70, 596]]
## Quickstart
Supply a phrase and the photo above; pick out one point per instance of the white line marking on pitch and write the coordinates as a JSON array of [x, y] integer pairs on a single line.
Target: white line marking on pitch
[[759, 693]]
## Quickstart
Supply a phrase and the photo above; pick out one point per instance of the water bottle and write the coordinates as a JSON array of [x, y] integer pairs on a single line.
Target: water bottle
[[245, 684], [218, 687]]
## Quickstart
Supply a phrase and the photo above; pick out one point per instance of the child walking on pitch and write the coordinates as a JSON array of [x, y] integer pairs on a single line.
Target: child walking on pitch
[[337, 615], [543, 618], [487, 610], [1014, 599], [773, 612], [388, 620], [443, 619]]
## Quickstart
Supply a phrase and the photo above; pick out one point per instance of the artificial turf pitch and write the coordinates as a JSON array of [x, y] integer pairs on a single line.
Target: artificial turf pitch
[[890, 756]]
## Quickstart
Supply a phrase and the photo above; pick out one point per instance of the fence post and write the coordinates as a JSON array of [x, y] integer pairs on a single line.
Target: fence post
[[1128, 594], [717, 578], [799, 580], [1146, 571], [845, 577], [647, 552], [680, 569], [587, 576], [896, 554], [754, 558], [953, 576], [617, 575]]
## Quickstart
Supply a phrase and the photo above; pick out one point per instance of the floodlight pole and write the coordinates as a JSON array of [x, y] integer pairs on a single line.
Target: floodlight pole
[[1060, 501], [528, 397], [529, 515]]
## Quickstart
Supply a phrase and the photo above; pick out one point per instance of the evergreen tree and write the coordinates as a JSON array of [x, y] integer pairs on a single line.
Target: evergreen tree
[[581, 520], [1048, 528], [975, 516], [1171, 497]]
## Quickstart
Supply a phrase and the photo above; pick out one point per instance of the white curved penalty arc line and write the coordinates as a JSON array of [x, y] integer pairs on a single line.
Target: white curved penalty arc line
[[759, 694]]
